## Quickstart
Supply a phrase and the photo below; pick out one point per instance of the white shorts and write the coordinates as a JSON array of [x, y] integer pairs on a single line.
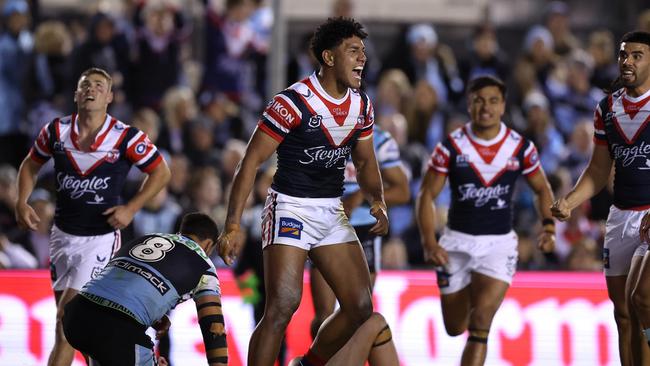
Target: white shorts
[[75, 260], [305, 223], [491, 255], [622, 241]]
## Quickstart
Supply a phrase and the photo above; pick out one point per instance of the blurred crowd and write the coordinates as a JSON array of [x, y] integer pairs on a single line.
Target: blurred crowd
[[192, 75]]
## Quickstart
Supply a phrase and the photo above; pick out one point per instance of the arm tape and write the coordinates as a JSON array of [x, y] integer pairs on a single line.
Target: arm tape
[[205, 304], [214, 338]]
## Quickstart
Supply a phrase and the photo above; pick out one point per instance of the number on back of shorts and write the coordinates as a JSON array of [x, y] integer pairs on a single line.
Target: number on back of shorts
[[152, 250]]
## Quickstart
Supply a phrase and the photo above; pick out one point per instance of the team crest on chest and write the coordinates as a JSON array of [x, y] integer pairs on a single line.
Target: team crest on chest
[[462, 160], [58, 147], [512, 164], [112, 156]]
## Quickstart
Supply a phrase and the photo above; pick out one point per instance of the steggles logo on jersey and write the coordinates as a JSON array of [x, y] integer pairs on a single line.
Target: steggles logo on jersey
[[79, 187], [627, 155], [482, 195], [501, 204], [330, 156], [97, 200]]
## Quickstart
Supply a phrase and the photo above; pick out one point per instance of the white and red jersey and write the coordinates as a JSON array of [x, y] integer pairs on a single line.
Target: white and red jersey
[[317, 134], [482, 176], [89, 182], [620, 122]]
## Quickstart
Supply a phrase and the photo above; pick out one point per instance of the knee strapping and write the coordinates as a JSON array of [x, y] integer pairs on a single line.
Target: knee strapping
[[384, 336], [478, 335]]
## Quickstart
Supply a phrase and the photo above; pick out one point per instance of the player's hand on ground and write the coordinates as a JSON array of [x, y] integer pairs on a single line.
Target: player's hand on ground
[[644, 228], [434, 253], [162, 361], [26, 216], [378, 210], [560, 210], [119, 217], [161, 326], [546, 242], [229, 243]]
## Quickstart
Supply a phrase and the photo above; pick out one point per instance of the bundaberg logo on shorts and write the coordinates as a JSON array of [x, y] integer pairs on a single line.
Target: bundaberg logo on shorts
[[290, 228]]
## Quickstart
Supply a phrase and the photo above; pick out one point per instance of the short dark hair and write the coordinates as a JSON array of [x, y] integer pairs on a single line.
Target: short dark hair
[[484, 81], [629, 37], [200, 225], [636, 37], [332, 33], [97, 71]]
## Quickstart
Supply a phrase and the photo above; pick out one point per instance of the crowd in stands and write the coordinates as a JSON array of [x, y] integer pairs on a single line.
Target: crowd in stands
[[196, 85]]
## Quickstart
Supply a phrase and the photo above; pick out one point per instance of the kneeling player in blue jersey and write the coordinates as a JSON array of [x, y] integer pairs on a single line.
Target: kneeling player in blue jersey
[[477, 253], [107, 320]]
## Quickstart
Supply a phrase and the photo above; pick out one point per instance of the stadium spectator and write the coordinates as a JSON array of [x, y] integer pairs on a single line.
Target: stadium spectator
[[16, 47]]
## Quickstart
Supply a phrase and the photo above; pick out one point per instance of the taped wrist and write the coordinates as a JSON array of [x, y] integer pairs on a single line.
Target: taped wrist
[[214, 334], [478, 335], [384, 336]]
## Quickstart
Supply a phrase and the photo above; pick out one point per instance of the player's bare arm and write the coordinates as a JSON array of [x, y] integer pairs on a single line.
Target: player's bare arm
[[120, 216], [369, 179], [352, 201], [592, 181], [539, 184], [162, 326], [260, 147], [25, 214], [425, 214], [213, 329], [396, 186]]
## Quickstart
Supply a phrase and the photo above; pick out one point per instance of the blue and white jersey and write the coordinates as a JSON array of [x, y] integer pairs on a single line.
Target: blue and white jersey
[[387, 153], [151, 275], [89, 182], [620, 122], [316, 133], [482, 175]]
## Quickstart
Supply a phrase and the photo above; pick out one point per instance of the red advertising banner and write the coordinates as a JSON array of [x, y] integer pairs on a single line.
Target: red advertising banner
[[547, 319]]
